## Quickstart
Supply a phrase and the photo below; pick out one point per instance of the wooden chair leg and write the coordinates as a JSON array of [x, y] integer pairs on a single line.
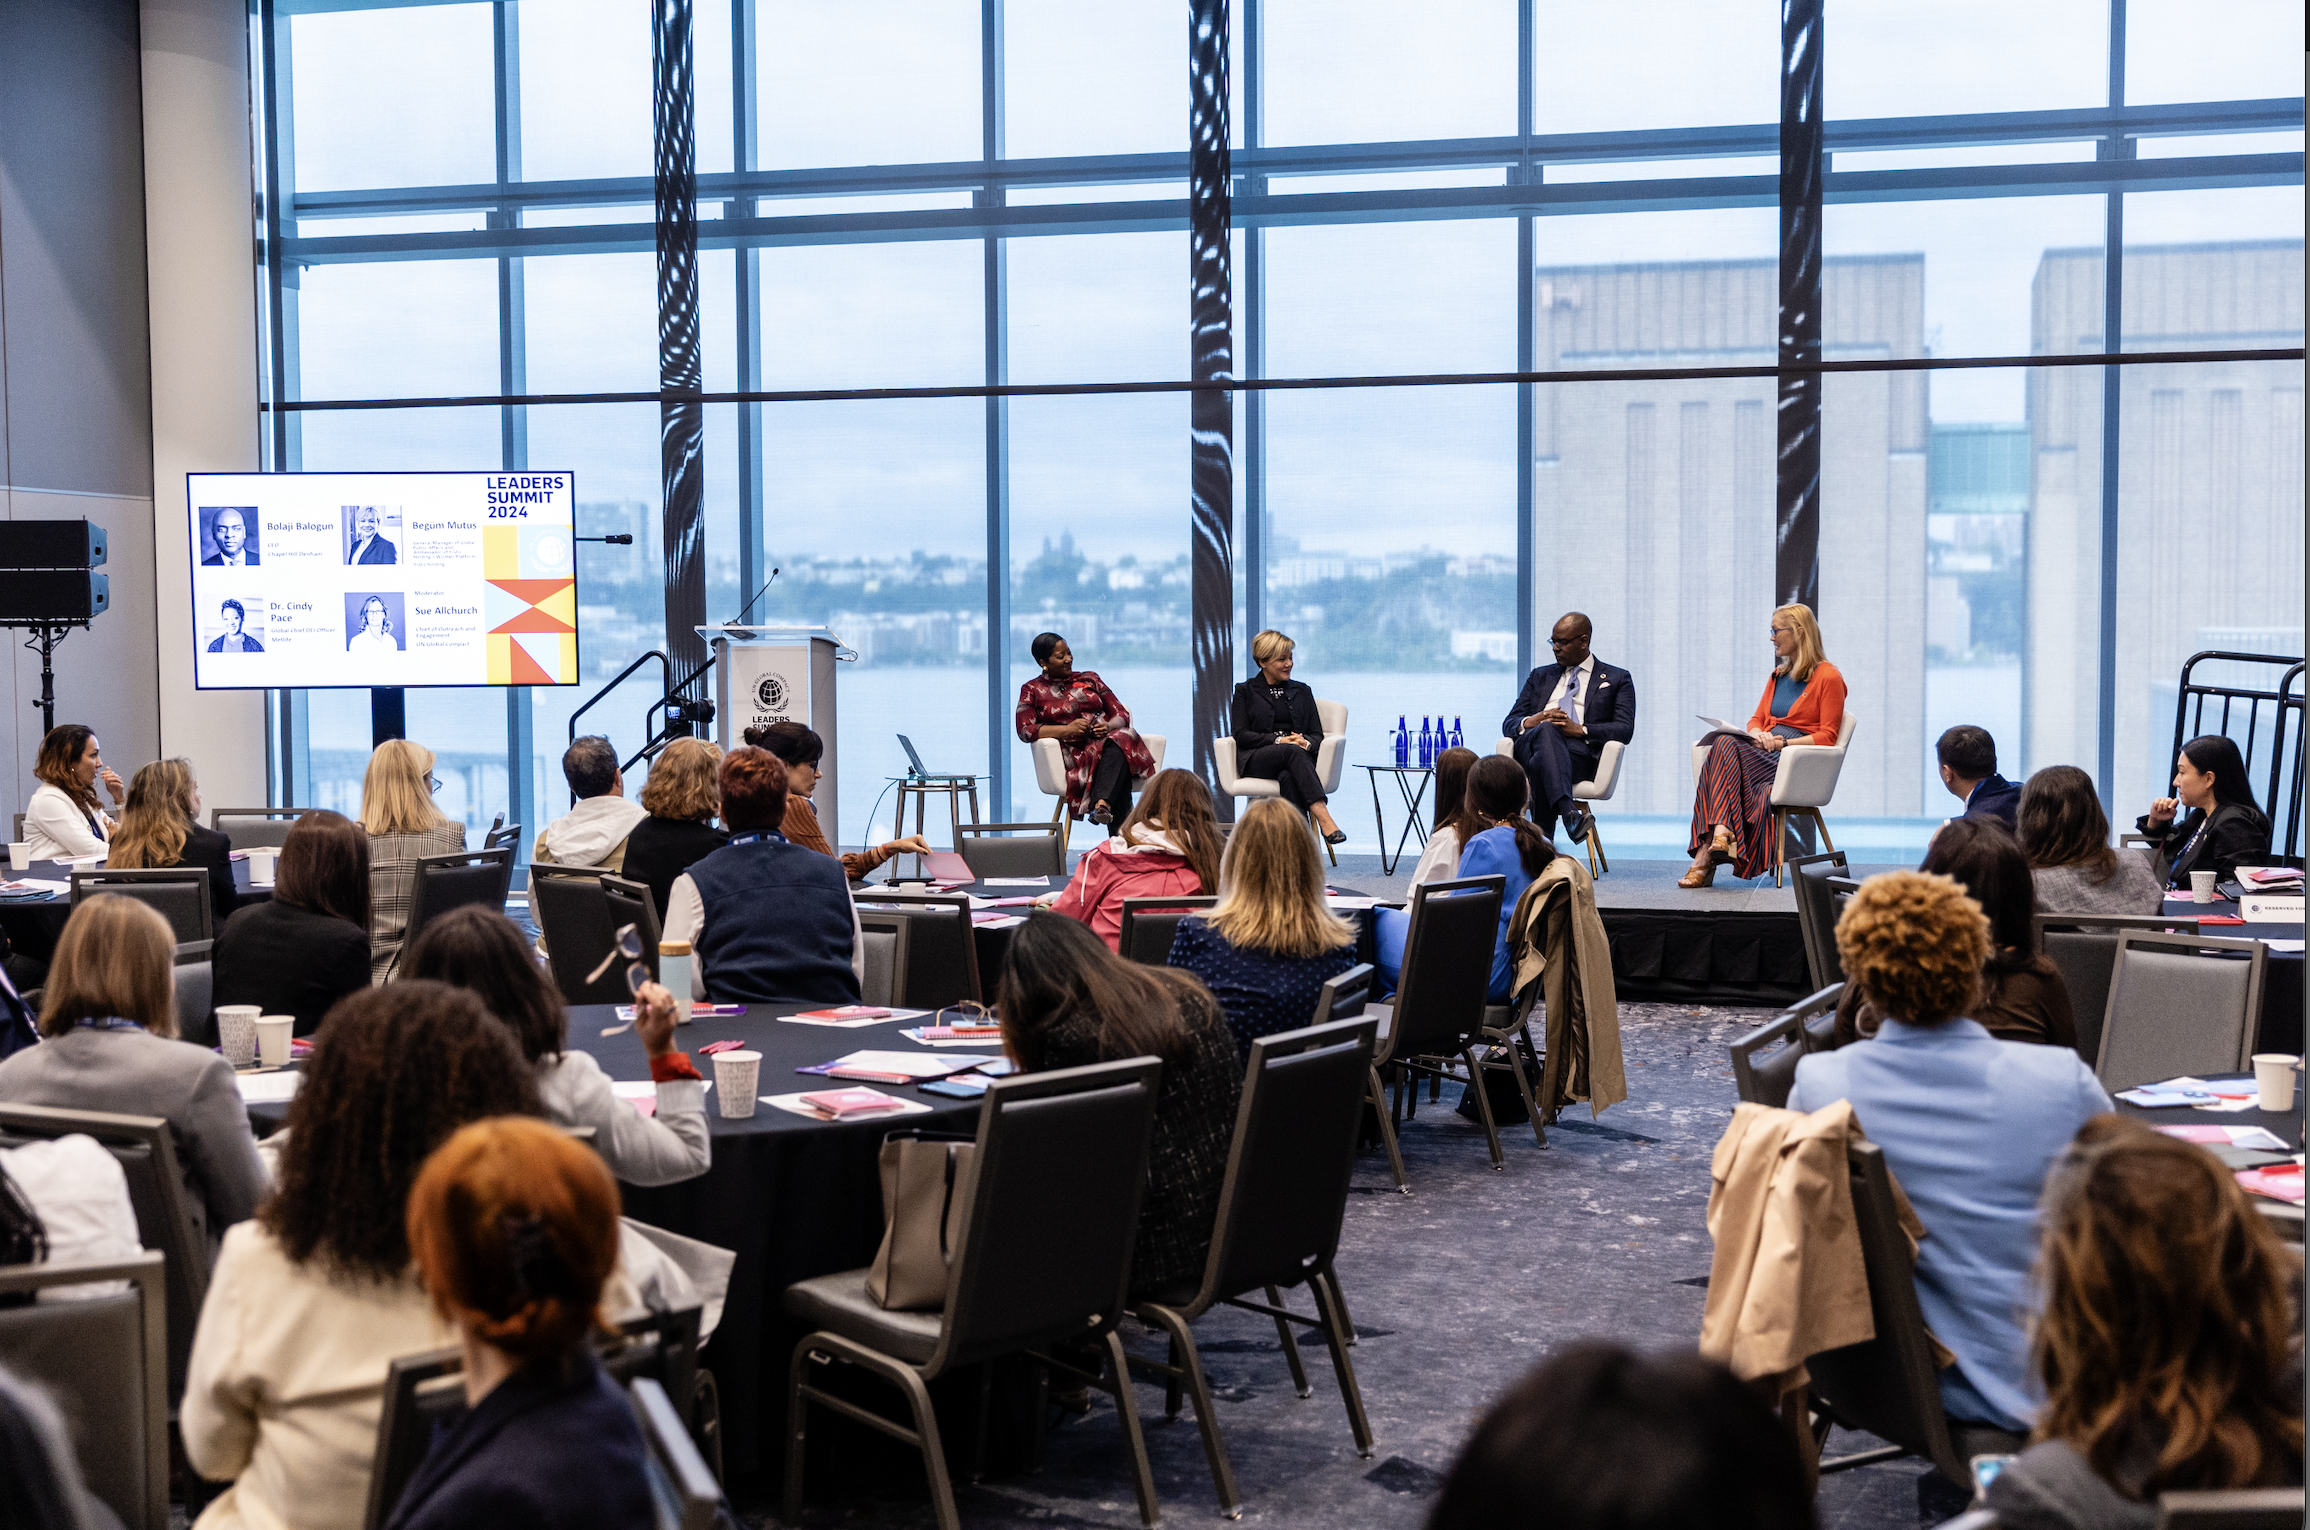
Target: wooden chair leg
[[1823, 825]]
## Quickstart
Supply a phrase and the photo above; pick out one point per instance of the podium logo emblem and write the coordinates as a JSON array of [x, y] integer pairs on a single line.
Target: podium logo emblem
[[770, 693]]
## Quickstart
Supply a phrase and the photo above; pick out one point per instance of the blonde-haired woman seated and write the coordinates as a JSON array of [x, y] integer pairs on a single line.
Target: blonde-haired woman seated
[[683, 798], [1271, 944], [160, 828], [397, 809], [1969, 1124], [1803, 703], [1277, 732]]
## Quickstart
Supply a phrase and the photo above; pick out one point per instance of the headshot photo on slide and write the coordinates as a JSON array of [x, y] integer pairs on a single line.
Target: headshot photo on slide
[[229, 535], [369, 534], [373, 623], [237, 625]]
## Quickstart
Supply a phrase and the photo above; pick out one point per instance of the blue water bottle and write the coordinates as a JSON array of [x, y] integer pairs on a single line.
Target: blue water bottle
[[1403, 743], [1427, 743], [1459, 740]]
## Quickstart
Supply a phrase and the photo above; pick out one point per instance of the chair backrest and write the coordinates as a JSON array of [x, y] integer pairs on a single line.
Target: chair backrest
[[886, 937], [574, 917], [420, 1390], [1887, 1385], [1056, 1179], [1817, 913], [18, 836], [506, 836], [255, 828], [1222, 766], [631, 902], [145, 1149], [452, 881], [179, 894], [662, 1346], [2179, 1004], [1011, 849], [1150, 923], [1286, 1188], [683, 1492], [942, 953], [196, 998], [103, 1363], [1050, 767], [1765, 1077], [1344, 997], [2277, 1508], [1601, 786], [2085, 958], [1447, 971]]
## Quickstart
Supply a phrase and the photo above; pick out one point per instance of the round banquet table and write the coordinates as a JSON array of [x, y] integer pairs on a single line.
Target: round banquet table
[[32, 924], [2286, 1126]]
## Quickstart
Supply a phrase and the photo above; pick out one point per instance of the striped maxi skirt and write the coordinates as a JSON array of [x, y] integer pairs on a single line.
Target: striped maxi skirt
[[1736, 788]]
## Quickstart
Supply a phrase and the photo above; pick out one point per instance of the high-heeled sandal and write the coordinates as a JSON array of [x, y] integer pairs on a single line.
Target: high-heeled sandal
[[1698, 876], [1723, 854]]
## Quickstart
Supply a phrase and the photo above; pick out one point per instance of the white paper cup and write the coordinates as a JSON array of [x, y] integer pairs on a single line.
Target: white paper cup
[[261, 864], [2202, 886], [273, 1034], [2274, 1079], [19, 855], [736, 1075], [237, 1029]]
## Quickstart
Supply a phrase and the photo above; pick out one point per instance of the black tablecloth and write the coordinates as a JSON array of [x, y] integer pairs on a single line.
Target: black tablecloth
[[2286, 1126], [32, 926]]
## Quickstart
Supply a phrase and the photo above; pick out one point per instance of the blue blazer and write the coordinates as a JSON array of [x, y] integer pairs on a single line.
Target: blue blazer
[[1995, 797], [540, 1452], [1607, 707]]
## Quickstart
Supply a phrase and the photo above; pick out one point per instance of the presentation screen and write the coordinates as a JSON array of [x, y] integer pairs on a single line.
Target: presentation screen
[[382, 579]]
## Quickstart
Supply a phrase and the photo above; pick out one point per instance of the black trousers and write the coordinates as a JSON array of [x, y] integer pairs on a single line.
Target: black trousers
[[1289, 767], [1111, 780], [1554, 766]]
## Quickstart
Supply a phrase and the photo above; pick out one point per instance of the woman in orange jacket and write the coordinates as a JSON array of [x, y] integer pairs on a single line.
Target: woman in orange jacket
[[1168, 847], [1803, 703]]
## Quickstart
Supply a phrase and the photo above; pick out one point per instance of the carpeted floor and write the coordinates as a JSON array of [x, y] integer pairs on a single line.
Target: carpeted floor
[[1456, 1290]]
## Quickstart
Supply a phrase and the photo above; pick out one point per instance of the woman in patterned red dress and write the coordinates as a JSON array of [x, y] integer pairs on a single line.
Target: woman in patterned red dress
[[1803, 703], [1093, 729]]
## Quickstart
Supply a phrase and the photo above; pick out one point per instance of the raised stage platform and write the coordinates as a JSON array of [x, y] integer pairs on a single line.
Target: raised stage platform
[[1734, 943]]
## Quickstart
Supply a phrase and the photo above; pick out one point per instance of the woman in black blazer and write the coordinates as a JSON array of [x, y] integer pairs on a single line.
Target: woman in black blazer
[[160, 830], [2224, 829], [1277, 732], [308, 946], [682, 797]]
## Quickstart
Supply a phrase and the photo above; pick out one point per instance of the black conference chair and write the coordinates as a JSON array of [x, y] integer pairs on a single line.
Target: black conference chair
[[573, 915], [145, 1149], [1280, 1209], [196, 993], [1817, 913], [1011, 849], [179, 894], [1889, 1386], [1344, 997], [1149, 924], [502, 836], [942, 949], [454, 880], [1765, 1077], [256, 828], [2179, 1004], [631, 902], [1440, 1000], [2084, 948], [886, 942], [684, 1492], [103, 1363], [1045, 1256]]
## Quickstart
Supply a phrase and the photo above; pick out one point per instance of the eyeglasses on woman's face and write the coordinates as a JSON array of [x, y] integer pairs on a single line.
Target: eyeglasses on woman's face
[[432, 782]]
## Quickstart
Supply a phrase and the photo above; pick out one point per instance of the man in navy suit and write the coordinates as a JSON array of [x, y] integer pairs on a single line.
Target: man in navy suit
[[1565, 715], [1969, 769]]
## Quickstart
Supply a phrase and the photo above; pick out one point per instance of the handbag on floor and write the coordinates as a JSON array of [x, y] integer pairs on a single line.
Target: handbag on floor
[[925, 1196]]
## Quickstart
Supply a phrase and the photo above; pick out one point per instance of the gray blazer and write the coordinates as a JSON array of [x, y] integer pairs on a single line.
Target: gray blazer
[[393, 881], [135, 1073]]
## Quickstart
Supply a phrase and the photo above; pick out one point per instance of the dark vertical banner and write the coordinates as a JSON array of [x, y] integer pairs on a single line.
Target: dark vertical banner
[[1211, 362], [1797, 517], [681, 418]]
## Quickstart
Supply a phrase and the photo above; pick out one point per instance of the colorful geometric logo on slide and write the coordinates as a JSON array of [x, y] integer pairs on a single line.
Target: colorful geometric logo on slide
[[529, 605]]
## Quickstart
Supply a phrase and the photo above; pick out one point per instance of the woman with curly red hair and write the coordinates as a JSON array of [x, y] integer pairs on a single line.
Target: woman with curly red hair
[[1969, 1124], [2164, 1343]]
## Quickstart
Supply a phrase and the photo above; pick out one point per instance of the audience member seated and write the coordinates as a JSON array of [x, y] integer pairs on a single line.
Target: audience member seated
[[1440, 859], [1969, 1124], [1599, 1438], [311, 1302], [307, 946], [1499, 841], [801, 749], [397, 809], [2022, 995], [1278, 732], [109, 1018], [768, 919], [1168, 847], [1067, 1002], [479, 950], [1094, 731], [1268, 947], [2072, 866], [65, 1199], [682, 799], [160, 828], [592, 833], [1803, 703], [2164, 1343], [515, 1229], [2224, 829], [64, 819], [1969, 769]]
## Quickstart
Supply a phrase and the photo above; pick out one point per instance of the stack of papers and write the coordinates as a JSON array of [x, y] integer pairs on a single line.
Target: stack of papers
[[851, 1016], [2234, 1136], [863, 1103], [896, 1067], [2230, 1094], [2271, 878], [2280, 1181], [271, 1088]]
